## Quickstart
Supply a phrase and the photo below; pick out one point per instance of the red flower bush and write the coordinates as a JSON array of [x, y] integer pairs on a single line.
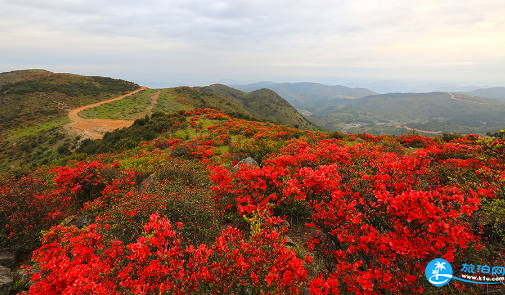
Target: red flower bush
[[84, 180], [80, 262], [27, 208], [380, 211], [415, 140]]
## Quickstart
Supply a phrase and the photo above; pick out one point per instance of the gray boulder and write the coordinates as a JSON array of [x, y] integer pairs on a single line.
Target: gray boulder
[[79, 221], [22, 275], [247, 161], [7, 258], [289, 242], [6, 280]]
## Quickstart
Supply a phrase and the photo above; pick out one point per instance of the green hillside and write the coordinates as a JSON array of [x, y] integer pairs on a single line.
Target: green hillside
[[423, 107], [33, 111], [31, 102], [384, 113], [311, 96], [17, 76], [264, 103], [493, 92]]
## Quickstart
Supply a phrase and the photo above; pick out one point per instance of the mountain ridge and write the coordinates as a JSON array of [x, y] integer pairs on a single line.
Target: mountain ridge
[[265, 103], [305, 95], [492, 92]]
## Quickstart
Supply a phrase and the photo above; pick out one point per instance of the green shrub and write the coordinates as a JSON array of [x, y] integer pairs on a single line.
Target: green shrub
[[450, 136], [338, 135]]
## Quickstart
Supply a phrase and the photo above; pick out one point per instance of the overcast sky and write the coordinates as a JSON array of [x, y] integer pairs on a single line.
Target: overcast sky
[[195, 41]]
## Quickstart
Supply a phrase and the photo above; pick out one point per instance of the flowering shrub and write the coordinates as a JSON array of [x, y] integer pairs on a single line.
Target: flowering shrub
[[28, 208], [189, 205], [84, 181], [157, 263], [415, 140], [378, 209]]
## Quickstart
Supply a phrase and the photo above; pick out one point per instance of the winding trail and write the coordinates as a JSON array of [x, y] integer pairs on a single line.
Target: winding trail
[[96, 128], [452, 96], [419, 130], [154, 101]]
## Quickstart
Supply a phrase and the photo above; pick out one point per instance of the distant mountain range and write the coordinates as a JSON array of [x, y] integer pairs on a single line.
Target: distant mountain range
[[378, 87], [309, 96], [391, 86], [493, 92], [434, 112], [349, 109]]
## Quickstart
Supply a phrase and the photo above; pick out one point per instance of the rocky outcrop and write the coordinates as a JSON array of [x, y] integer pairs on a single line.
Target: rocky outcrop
[[7, 258], [247, 161], [79, 221], [6, 280], [22, 275]]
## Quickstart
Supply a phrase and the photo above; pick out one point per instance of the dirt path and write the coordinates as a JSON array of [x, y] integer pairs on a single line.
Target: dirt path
[[96, 128], [154, 101], [418, 130], [452, 96]]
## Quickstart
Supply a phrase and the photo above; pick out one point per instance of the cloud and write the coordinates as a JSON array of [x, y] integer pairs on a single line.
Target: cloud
[[230, 36]]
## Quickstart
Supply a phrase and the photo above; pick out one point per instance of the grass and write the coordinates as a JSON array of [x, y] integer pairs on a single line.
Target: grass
[[134, 106], [127, 108], [58, 122], [36, 147], [168, 103]]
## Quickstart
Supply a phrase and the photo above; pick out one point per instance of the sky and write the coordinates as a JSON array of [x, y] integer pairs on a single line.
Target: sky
[[197, 42]]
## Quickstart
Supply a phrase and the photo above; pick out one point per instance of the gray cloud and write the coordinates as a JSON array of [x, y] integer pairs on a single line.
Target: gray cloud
[[228, 37]]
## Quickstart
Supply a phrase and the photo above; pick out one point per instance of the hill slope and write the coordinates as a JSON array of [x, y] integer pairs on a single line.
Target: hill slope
[[17, 76], [310, 96], [47, 97], [33, 110], [494, 92], [264, 103], [410, 107], [445, 112]]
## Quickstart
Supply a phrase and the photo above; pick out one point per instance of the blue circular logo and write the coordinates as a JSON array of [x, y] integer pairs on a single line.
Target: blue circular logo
[[439, 272]]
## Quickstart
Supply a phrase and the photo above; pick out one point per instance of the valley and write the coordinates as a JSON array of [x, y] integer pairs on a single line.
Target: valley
[[358, 110]]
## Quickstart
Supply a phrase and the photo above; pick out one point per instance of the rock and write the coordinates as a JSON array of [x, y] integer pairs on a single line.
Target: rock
[[7, 258], [6, 280], [22, 275], [79, 221], [247, 161], [289, 242]]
